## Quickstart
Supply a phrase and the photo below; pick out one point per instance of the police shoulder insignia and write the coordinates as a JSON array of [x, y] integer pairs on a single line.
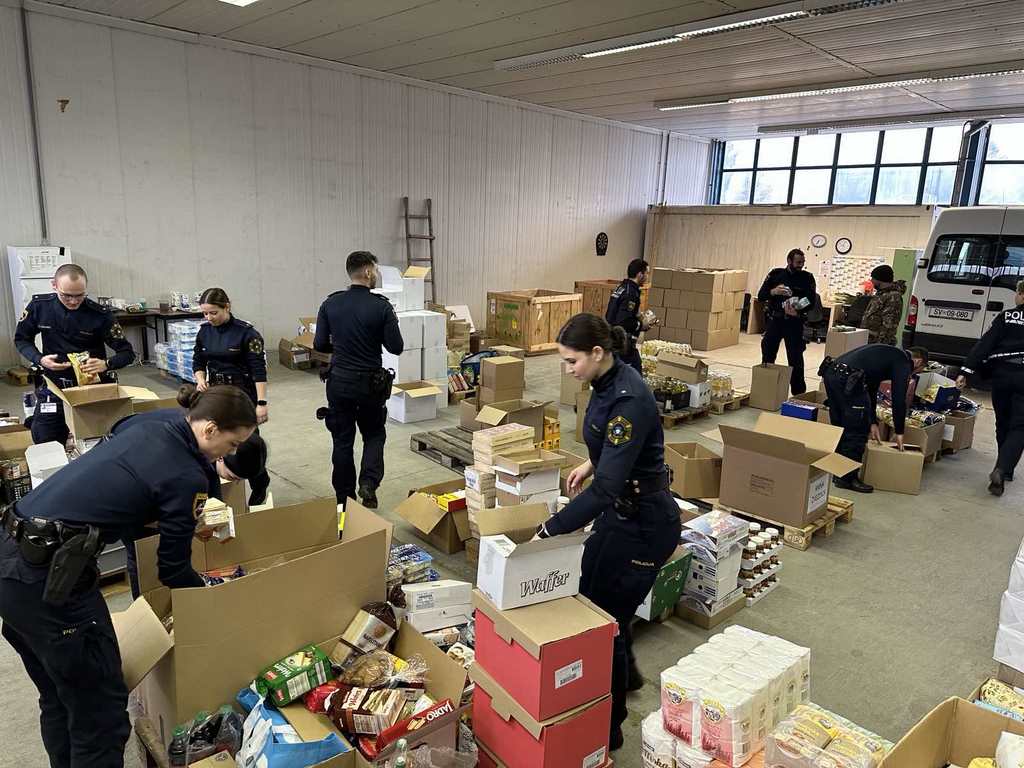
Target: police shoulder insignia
[[619, 430], [632, 306], [24, 314], [198, 502], [116, 331], [256, 346]]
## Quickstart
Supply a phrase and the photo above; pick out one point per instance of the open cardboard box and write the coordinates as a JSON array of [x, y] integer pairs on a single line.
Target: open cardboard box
[[519, 523], [92, 410], [815, 400], [443, 530], [840, 342], [958, 432], [696, 470], [688, 368], [889, 469], [781, 469], [307, 332]]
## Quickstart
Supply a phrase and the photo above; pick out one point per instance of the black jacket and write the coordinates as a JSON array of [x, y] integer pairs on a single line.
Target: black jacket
[[883, 362], [1003, 341], [353, 325], [624, 307], [800, 283], [233, 348]]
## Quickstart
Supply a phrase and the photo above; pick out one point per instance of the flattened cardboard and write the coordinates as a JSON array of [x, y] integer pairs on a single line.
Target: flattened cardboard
[[142, 639], [696, 470], [687, 368], [769, 386], [889, 469]]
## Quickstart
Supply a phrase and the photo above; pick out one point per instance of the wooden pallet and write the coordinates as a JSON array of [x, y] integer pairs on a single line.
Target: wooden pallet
[[541, 349], [838, 509], [681, 416], [451, 448], [737, 401]]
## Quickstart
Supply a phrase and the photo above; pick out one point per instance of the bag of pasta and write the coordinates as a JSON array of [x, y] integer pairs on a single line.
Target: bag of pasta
[[77, 360]]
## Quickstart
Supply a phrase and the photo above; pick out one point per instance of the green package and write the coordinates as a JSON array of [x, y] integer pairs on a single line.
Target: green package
[[293, 676]]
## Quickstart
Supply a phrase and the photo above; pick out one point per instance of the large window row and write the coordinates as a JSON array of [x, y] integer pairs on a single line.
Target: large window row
[[1002, 179]]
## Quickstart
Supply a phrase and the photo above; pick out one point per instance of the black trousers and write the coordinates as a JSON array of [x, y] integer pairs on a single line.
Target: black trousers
[[1008, 405], [853, 413], [48, 423], [632, 358], [259, 484], [71, 655], [621, 560], [351, 406], [790, 331]]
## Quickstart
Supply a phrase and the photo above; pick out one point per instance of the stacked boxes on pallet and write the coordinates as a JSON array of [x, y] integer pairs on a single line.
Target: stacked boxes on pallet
[[699, 307], [175, 356]]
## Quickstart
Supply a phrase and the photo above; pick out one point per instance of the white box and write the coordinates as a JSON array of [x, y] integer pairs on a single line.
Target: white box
[[532, 482], [437, 594], [411, 326], [1016, 586], [711, 585], [541, 497], [434, 364], [435, 327], [476, 479], [415, 292], [44, 460], [1011, 612], [1009, 648], [442, 392], [413, 401], [700, 394], [394, 295], [513, 576], [406, 365], [431, 619]]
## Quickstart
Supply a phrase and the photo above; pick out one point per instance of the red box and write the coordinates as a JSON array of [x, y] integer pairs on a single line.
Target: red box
[[577, 738], [486, 759], [550, 657]]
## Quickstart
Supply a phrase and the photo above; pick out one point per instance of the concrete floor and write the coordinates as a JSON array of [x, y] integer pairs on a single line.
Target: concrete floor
[[899, 607]]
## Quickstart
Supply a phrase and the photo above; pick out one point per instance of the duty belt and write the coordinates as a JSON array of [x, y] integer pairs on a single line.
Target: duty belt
[[46, 533], [649, 485], [235, 379]]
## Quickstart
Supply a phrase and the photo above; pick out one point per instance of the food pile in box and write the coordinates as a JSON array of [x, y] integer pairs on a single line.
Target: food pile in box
[[916, 417], [1009, 753], [649, 351], [670, 394]]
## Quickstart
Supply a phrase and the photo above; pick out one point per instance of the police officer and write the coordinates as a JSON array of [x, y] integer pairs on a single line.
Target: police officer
[[231, 351], [1000, 354], [851, 383], [636, 521], [352, 326], [786, 322], [624, 310], [56, 617], [69, 322]]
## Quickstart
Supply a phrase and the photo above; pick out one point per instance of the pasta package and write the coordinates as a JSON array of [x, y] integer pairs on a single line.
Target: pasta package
[[77, 359]]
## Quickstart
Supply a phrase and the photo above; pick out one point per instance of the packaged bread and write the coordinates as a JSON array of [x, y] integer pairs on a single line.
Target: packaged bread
[[1002, 695], [77, 359]]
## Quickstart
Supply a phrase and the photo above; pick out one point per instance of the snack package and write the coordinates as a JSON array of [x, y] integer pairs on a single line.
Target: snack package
[[403, 729], [370, 630], [316, 700], [462, 654], [372, 670], [359, 711], [1002, 695], [443, 638], [77, 359], [291, 677], [221, 575], [982, 762]]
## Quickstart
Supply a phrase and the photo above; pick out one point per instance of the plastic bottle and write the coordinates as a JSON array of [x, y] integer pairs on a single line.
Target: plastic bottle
[[201, 736], [177, 753], [229, 735], [401, 754]]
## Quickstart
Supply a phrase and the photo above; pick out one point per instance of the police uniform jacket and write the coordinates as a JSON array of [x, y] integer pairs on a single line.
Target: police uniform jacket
[[800, 283], [625, 442], [624, 307], [1002, 342], [233, 349], [90, 328], [352, 326]]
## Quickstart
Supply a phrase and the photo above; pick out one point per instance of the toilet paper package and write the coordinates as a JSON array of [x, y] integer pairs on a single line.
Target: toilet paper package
[[658, 746]]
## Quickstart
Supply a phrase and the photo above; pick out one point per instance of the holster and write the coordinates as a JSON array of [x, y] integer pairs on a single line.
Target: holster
[[69, 566], [381, 382]]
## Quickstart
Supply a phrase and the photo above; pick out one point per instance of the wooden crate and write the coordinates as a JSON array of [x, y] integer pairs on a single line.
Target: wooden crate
[[596, 294], [530, 319]]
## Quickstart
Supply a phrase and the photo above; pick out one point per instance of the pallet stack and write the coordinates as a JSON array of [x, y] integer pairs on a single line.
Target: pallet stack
[[698, 307]]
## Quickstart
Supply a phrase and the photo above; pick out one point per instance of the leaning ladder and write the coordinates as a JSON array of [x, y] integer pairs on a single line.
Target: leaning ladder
[[427, 260]]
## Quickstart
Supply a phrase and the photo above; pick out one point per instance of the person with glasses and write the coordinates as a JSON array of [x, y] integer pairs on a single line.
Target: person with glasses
[[70, 322]]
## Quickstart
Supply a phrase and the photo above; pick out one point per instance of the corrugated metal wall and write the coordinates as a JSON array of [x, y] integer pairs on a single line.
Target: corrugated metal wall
[[178, 165], [686, 179]]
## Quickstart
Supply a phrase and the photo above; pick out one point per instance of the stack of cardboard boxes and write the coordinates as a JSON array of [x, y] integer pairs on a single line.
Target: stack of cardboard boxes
[[712, 592], [502, 378], [692, 371], [528, 477], [698, 307]]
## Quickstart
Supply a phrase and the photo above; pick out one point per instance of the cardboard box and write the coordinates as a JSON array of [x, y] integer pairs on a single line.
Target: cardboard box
[[407, 366], [699, 321], [505, 498], [889, 469], [661, 278], [696, 470], [550, 657], [434, 363], [434, 329], [929, 438], [769, 386], [656, 297], [958, 432], [839, 342], [676, 318], [781, 470], [739, 299], [673, 299], [505, 350], [955, 732], [813, 399], [578, 737], [710, 615], [571, 386], [682, 279], [441, 529], [708, 282], [433, 619], [516, 523], [710, 302], [709, 340], [410, 324], [414, 401], [525, 412], [291, 355], [92, 410], [686, 368], [487, 396], [756, 318], [515, 575], [668, 587], [499, 373], [235, 495], [675, 335], [437, 594]]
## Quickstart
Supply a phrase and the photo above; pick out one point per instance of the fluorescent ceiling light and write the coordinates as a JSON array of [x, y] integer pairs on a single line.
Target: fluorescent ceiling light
[[241, 3], [758, 22], [635, 47]]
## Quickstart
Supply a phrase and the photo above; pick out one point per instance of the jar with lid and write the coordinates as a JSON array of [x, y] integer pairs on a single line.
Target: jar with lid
[[750, 550], [776, 536], [754, 529]]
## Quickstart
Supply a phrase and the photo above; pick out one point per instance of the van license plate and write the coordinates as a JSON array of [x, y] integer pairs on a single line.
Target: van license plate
[[951, 314]]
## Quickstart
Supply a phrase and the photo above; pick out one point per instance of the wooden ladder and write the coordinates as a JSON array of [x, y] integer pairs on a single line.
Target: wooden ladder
[[429, 237]]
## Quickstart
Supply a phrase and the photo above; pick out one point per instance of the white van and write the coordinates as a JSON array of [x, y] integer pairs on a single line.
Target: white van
[[967, 274]]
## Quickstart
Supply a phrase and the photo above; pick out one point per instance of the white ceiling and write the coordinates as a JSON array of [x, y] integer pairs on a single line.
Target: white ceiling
[[456, 42]]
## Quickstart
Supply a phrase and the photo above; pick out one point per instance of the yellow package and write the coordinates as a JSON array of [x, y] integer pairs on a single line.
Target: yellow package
[[982, 762], [77, 359], [847, 748], [1002, 695]]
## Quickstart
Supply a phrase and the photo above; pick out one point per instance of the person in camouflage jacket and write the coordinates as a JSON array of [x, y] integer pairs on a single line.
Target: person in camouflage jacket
[[882, 317]]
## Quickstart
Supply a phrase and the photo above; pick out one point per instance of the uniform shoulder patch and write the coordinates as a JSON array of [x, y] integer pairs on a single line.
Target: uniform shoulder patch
[[619, 430], [631, 305], [116, 331], [24, 314], [198, 502], [256, 345]]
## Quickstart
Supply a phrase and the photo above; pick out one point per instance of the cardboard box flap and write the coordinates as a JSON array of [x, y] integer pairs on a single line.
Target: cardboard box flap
[[494, 413], [421, 512], [528, 461], [536, 625], [361, 522], [447, 676], [694, 450], [91, 393], [818, 438], [552, 542], [758, 442], [836, 465], [139, 393], [142, 639], [504, 520], [416, 389], [690, 362], [461, 519], [416, 272], [13, 444]]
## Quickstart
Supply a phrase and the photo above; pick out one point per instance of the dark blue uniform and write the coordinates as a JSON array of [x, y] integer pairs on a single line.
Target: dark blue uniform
[[233, 353], [624, 311], [781, 327], [352, 326], [634, 533], [155, 475], [89, 328]]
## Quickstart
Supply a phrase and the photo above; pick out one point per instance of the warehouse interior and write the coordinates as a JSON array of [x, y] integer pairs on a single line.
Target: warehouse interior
[[169, 146]]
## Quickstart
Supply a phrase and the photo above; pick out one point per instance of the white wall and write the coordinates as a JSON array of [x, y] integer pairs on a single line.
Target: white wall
[[686, 178], [179, 165]]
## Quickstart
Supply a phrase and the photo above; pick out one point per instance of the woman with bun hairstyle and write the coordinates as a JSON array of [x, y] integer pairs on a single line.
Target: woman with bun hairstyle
[[52, 611], [636, 520], [230, 351]]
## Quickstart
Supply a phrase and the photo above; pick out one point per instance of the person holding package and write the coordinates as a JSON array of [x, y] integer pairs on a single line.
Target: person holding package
[[352, 326], [636, 520], [787, 294], [231, 351], [624, 311], [53, 613], [851, 384], [885, 310], [999, 354], [75, 332]]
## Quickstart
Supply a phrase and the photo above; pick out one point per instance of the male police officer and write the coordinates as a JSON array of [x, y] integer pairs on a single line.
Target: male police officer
[[69, 322], [786, 322], [624, 310], [352, 325]]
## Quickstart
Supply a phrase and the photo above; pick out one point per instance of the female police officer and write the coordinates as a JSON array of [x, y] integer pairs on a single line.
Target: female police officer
[[230, 351], [53, 613], [637, 521], [1001, 352]]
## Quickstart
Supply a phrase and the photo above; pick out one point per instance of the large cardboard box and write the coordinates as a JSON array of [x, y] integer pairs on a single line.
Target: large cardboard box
[[708, 282], [958, 433], [840, 342], [486, 395], [954, 733], [696, 470], [514, 575], [661, 278], [889, 469], [578, 737], [673, 299], [92, 410], [708, 340], [519, 524], [781, 469], [929, 438], [769, 386], [571, 386], [410, 324], [503, 372], [815, 401], [687, 368], [525, 412], [291, 355], [709, 302], [413, 401], [550, 657], [407, 366], [440, 528], [755, 318]]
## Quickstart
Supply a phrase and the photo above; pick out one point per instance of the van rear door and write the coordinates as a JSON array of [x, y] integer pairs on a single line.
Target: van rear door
[[1009, 265]]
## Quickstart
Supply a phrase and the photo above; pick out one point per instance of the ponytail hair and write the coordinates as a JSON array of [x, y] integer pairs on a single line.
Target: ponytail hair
[[215, 296], [227, 406], [585, 331]]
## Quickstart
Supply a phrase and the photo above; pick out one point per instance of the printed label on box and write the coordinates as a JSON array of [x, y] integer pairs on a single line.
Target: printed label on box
[[947, 432], [595, 759], [424, 601], [764, 486], [553, 581], [818, 493], [569, 673]]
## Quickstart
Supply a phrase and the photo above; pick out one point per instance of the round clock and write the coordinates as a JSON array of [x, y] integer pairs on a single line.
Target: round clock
[[819, 241], [843, 246]]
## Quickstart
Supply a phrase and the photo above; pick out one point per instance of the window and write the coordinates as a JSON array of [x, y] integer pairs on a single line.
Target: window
[[1009, 267], [853, 186], [938, 185], [962, 259], [904, 146], [1002, 181], [816, 150], [739, 154], [775, 153], [898, 186], [811, 187], [736, 188], [772, 187], [858, 148]]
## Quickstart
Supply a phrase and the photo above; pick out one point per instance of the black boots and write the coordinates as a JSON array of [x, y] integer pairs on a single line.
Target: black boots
[[635, 680], [368, 496], [995, 482], [853, 484], [615, 740]]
